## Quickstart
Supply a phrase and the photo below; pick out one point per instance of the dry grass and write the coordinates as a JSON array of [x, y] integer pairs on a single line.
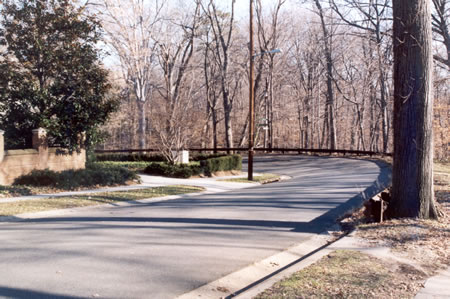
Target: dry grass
[[21, 190], [349, 274], [55, 203]]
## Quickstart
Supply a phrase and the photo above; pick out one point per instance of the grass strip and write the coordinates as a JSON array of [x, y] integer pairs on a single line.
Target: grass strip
[[348, 274], [55, 203], [263, 178]]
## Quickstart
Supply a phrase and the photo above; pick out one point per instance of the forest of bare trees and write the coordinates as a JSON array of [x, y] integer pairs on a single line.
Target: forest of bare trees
[[181, 68]]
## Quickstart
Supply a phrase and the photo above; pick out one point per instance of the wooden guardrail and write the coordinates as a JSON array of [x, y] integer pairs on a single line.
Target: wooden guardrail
[[267, 150]]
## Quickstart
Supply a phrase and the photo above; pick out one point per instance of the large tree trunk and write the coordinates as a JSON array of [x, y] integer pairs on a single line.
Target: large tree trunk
[[412, 188]]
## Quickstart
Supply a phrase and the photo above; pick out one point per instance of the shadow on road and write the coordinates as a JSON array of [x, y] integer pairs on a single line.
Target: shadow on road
[[6, 292]]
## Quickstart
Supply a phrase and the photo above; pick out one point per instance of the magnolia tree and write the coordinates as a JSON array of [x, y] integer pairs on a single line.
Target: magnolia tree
[[50, 73]]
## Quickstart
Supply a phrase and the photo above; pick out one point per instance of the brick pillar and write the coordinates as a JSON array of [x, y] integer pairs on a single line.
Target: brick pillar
[[40, 143], [2, 145]]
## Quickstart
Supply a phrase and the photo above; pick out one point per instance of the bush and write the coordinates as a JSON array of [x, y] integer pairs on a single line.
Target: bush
[[173, 170], [124, 157], [38, 178], [207, 167], [95, 174], [225, 163], [131, 157], [201, 157], [138, 166]]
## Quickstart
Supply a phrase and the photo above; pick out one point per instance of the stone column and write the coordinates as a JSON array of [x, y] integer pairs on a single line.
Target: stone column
[[2, 145], [40, 143]]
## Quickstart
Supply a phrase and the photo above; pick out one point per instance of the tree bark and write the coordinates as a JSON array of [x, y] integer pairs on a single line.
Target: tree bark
[[142, 125], [412, 185]]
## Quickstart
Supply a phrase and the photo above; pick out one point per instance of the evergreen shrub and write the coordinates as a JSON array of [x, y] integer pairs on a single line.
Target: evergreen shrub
[[95, 174], [205, 167]]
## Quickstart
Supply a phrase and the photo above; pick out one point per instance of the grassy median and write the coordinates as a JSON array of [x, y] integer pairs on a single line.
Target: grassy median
[[55, 203]]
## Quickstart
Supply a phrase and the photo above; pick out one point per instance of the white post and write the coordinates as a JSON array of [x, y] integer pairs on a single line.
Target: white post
[[182, 157]]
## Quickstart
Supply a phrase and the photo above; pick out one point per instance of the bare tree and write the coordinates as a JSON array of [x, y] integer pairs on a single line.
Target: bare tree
[[329, 108], [305, 75], [268, 38], [222, 27], [175, 50], [130, 32], [412, 182], [372, 18], [210, 73], [441, 26]]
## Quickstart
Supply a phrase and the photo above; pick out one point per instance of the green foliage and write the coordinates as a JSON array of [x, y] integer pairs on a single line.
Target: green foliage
[[131, 157], [201, 157], [174, 170], [50, 73], [206, 167], [138, 166], [95, 174], [225, 163]]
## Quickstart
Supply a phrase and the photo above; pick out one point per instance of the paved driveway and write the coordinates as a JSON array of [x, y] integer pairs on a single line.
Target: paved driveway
[[167, 248]]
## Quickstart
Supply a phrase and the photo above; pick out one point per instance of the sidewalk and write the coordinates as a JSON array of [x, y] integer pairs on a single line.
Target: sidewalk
[[212, 185], [436, 287]]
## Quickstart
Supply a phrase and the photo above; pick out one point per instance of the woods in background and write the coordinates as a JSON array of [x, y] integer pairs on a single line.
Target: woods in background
[[181, 70]]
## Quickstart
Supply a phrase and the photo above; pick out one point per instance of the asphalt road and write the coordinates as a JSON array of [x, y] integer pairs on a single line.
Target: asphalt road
[[167, 248]]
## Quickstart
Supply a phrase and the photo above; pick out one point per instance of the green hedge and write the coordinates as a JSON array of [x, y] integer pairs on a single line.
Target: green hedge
[[225, 163], [124, 157], [137, 166], [130, 157], [206, 167], [95, 174], [173, 170], [201, 157]]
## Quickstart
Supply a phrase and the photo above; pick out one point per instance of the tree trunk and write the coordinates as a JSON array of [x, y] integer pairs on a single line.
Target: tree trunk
[[214, 125], [412, 184], [228, 127], [142, 125]]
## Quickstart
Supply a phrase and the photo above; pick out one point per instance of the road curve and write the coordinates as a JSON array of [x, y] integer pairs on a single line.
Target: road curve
[[164, 249]]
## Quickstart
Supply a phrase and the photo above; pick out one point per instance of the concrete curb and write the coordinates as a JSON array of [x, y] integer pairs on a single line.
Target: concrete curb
[[253, 279]]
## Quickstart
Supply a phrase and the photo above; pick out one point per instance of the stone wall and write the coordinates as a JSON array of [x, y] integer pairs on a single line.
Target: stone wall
[[14, 163]]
